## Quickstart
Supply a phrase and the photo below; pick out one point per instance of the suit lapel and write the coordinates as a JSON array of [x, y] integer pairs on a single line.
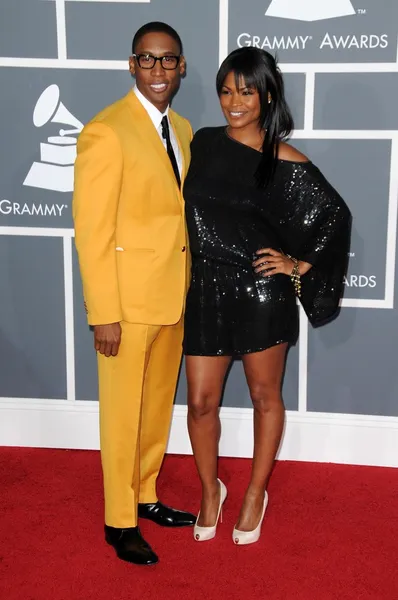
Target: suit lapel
[[148, 131]]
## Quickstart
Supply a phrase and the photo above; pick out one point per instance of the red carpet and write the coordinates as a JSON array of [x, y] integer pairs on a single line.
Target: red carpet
[[330, 534]]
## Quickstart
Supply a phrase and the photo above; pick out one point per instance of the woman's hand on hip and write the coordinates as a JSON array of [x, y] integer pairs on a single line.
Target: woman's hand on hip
[[271, 262]]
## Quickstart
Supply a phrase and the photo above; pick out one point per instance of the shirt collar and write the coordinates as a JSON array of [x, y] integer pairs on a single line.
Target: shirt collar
[[155, 115]]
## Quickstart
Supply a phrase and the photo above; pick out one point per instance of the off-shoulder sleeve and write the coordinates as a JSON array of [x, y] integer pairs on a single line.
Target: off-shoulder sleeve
[[326, 247], [323, 286], [316, 227]]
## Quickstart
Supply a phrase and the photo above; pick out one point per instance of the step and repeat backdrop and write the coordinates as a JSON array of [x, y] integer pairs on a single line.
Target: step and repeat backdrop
[[61, 61]]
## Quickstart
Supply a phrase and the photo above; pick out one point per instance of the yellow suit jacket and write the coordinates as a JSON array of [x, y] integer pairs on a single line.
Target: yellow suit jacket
[[129, 217]]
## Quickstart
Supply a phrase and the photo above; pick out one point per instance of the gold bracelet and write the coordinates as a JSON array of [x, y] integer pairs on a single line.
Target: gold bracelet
[[295, 276]]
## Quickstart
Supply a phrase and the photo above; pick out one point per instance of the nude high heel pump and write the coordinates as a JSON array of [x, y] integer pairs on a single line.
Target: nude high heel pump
[[202, 534], [242, 538]]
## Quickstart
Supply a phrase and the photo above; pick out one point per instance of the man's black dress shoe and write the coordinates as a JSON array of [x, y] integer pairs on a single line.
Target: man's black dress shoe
[[130, 545], [166, 516]]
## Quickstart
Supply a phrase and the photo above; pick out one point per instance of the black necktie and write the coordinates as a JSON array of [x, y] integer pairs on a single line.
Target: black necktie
[[170, 151]]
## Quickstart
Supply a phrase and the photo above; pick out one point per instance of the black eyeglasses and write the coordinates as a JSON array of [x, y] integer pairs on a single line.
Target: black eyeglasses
[[147, 61]]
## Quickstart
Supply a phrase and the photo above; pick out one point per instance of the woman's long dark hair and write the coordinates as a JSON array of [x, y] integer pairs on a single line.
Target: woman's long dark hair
[[259, 70]]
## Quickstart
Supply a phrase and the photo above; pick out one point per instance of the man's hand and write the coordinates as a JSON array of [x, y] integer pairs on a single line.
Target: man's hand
[[107, 338]]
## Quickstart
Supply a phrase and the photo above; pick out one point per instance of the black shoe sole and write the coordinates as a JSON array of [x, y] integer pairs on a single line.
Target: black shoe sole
[[167, 524]]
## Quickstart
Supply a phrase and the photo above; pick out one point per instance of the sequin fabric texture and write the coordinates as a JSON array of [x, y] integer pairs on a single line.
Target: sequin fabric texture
[[230, 309]]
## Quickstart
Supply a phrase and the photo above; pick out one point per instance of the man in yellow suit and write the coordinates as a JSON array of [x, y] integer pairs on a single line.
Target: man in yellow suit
[[131, 239]]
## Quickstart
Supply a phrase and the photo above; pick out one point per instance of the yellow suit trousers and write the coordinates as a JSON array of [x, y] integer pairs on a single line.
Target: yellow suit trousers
[[136, 393]]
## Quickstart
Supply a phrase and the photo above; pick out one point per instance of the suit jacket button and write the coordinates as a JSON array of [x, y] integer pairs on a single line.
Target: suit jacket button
[[183, 249]]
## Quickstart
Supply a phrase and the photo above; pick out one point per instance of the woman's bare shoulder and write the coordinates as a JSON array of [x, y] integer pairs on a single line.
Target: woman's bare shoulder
[[287, 152]]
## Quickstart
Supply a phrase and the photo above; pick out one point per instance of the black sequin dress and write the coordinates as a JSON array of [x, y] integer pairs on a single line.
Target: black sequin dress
[[230, 309]]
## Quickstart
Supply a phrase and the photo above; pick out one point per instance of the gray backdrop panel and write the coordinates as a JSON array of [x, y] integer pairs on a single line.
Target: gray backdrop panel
[[28, 29], [338, 96], [85, 358], [352, 364], [295, 94], [32, 329]]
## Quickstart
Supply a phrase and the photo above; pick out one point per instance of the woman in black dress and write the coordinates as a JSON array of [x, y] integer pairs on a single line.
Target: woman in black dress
[[264, 227]]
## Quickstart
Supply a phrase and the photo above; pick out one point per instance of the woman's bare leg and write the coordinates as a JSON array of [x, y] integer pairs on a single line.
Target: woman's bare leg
[[263, 372], [205, 377]]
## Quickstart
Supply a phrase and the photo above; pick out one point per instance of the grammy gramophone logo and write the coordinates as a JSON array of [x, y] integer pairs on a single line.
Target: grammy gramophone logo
[[54, 171], [310, 10]]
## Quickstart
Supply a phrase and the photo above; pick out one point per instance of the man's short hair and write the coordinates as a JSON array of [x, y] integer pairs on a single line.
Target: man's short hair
[[156, 27]]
